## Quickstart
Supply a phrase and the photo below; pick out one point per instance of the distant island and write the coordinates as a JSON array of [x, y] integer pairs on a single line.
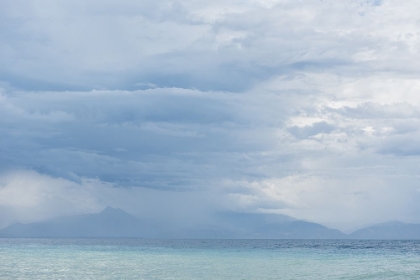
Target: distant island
[[116, 223]]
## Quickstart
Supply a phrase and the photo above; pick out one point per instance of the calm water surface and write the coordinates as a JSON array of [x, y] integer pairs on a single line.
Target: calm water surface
[[208, 259]]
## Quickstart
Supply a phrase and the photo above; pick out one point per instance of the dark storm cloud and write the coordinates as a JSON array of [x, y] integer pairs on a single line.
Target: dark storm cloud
[[163, 138]]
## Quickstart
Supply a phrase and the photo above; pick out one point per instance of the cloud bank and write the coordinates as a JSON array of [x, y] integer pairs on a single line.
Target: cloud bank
[[307, 108]]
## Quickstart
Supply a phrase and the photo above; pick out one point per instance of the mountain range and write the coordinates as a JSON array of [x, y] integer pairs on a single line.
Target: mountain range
[[111, 222], [389, 230], [116, 223]]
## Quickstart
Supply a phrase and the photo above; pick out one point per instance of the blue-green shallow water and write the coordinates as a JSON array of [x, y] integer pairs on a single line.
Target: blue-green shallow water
[[208, 259]]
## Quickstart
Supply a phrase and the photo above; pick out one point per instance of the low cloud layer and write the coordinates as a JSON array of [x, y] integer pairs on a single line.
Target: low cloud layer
[[308, 108]]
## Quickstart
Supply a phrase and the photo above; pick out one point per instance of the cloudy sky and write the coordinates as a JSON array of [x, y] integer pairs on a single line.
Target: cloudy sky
[[178, 109]]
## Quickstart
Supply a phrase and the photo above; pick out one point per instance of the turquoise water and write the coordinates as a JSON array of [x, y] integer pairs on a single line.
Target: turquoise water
[[208, 259]]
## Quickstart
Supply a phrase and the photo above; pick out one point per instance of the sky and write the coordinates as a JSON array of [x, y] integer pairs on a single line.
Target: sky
[[174, 110]]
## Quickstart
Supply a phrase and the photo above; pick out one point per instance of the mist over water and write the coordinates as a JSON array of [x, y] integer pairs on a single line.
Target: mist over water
[[208, 259]]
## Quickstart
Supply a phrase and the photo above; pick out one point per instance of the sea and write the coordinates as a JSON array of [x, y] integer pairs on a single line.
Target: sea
[[208, 259]]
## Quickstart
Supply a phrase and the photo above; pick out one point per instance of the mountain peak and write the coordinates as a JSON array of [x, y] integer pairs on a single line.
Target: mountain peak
[[111, 211]]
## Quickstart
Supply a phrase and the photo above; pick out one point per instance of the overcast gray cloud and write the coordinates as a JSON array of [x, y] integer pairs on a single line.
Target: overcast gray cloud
[[178, 108]]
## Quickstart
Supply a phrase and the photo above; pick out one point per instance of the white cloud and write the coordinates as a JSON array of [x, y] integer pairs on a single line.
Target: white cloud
[[30, 196]]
